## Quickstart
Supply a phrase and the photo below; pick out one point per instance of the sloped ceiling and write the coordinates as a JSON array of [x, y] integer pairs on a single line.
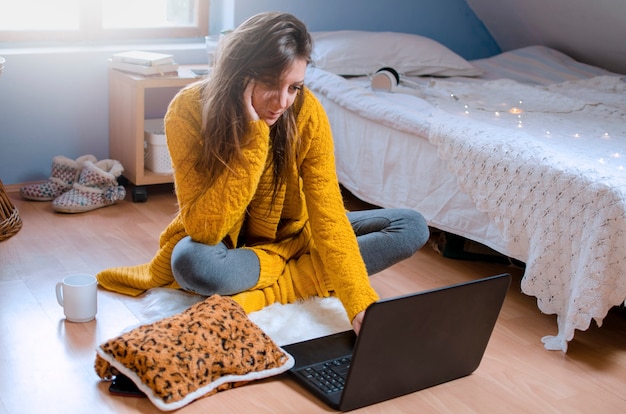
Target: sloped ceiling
[[591, 31]]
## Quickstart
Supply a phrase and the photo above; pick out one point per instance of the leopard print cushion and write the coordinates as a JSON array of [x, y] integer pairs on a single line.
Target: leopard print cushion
[[210, 347]]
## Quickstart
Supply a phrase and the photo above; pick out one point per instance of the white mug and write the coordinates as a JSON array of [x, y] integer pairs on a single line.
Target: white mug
[[78, 295]]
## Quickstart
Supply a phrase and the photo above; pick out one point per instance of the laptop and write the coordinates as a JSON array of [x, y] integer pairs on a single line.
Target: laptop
[[406, 344]]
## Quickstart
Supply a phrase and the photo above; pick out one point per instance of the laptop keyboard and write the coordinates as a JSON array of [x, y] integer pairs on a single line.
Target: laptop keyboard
[[328, 376]]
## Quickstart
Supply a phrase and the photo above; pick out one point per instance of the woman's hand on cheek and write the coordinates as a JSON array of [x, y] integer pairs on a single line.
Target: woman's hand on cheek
[[357, 322], [247, 99]]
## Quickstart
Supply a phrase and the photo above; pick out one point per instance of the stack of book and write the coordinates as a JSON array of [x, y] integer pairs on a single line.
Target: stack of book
[[144, 63]]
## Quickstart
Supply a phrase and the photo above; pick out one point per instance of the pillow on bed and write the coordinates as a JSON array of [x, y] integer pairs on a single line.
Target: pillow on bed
[[358, 53]]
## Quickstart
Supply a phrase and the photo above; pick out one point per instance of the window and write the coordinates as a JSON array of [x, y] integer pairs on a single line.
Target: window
[[80, 20]]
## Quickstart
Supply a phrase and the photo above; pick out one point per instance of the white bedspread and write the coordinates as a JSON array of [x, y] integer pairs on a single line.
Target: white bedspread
[[551, 175], [546, 163]]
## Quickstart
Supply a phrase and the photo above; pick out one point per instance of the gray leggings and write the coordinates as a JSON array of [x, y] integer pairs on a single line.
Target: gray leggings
[[385, 237]]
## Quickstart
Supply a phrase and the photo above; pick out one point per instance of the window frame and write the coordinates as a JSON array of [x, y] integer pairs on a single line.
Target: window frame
[[91, 29]]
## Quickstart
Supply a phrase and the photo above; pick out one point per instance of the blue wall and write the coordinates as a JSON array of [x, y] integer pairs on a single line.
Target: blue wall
[[450, 22], [55, 101]]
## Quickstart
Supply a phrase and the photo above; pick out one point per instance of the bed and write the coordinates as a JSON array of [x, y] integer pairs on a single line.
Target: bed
[[522, 152]]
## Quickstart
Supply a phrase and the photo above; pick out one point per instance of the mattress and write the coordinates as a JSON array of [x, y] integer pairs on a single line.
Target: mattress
[[525, 159]]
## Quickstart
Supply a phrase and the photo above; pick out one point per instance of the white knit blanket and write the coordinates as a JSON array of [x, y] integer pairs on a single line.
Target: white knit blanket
[[545, 162]]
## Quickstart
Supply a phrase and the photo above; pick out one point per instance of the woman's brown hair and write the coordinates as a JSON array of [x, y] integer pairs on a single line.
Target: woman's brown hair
[[261, 49]]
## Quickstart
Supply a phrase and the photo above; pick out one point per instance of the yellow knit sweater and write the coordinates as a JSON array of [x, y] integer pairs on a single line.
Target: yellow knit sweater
[[305, 242]]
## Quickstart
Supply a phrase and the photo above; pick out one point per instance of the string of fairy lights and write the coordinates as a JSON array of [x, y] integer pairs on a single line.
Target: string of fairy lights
[[518, 115]]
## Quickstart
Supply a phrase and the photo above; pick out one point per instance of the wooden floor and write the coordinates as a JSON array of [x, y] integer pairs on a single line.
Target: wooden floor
[[46, 363]]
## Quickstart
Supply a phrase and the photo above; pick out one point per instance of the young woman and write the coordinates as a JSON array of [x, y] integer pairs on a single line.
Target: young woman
[[261, 216]]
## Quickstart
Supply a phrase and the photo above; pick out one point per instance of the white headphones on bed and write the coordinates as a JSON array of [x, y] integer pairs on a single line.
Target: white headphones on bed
[[388, 79], [385, 80]]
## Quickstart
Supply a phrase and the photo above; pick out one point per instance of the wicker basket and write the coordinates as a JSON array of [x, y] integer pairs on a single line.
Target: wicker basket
[[10, 221]]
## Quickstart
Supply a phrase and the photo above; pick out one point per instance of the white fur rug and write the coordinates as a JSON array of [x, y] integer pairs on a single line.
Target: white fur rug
[[285, 324]]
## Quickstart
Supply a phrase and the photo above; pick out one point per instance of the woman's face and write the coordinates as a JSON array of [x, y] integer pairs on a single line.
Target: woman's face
[[271, 100]]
